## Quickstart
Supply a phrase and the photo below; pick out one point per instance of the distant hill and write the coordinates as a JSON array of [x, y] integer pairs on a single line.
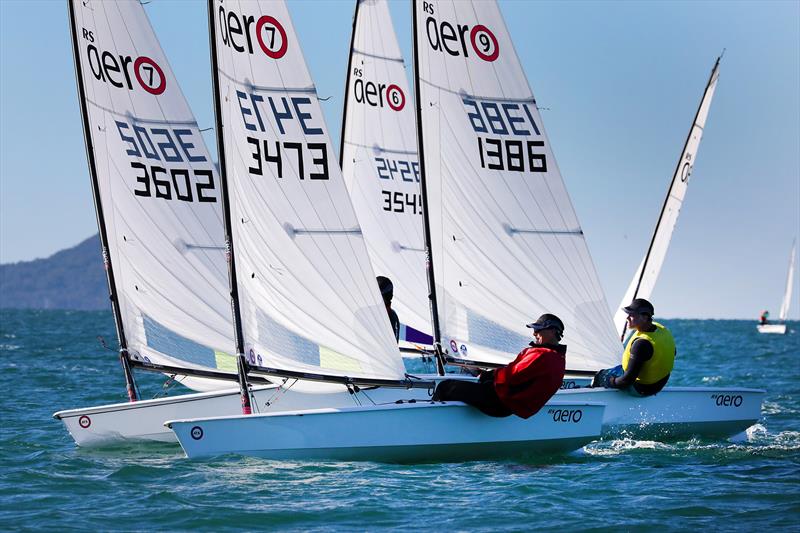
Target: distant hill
[[70, 279]]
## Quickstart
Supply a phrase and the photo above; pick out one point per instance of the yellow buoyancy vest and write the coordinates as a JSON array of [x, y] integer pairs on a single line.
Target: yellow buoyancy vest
[[658, 366]]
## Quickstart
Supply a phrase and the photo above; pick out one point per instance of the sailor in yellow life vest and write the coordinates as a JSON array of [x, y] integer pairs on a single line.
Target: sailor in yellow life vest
[[648, 357]]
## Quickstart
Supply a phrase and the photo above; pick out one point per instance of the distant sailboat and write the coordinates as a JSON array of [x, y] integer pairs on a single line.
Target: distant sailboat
[[780, 326]]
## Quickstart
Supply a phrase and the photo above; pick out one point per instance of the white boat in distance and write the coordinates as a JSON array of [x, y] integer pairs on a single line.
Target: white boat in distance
[[780, 326]]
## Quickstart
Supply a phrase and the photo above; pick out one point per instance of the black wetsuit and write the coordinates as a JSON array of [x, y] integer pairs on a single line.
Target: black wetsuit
[[395, 323]]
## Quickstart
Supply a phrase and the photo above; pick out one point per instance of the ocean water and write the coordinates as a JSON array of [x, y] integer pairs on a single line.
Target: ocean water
[[52, 360]]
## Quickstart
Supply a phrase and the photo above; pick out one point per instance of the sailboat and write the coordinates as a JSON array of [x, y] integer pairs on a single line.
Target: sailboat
[[646, 275], [780, 326], [505, 240], [304, 287]]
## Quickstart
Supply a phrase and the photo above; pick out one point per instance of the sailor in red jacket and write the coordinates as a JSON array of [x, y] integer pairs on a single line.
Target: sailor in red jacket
[[523, 386]]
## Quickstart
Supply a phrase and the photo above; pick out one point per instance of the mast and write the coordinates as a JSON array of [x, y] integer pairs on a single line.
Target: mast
[[675, 176], [437, 337], [130, 384], [347, 84], [241, 363]]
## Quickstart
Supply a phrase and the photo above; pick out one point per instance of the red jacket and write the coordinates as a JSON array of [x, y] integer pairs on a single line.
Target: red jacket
[[526, 384]]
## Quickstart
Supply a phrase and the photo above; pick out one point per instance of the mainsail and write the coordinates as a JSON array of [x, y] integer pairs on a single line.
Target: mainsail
[[506, 244], [380, 165], [156, 193], [787, 295], [644, 280], [307, 293]]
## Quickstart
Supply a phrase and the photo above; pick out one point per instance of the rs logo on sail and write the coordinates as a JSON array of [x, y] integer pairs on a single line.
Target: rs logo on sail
[[376, 94], [453, 39], [115, 69]]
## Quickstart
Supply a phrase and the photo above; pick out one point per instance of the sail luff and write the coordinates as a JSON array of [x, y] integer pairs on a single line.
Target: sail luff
[[241, 363], [648, 271], [434, 307], [130, 384]]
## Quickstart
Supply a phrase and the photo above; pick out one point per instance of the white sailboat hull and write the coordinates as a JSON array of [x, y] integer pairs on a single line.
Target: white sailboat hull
[[772, 328], [675, 412], [144, 420], [426, 431], [107, 425]]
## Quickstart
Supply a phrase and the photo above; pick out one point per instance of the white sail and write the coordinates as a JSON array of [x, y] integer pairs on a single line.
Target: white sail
[[787, 295], [307, 292], [506, 243], [158, 193], [380, 164], [644, 280]]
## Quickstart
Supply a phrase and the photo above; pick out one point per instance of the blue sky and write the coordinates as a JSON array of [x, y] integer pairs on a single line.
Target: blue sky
[[619, 83]]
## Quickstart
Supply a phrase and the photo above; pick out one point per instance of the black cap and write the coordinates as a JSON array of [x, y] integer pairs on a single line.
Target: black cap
[[546, 321], [386, 286], [640, 305]]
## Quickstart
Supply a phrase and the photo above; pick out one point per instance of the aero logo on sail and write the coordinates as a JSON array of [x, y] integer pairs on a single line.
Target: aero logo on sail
[[376, 94], [236, 31], [459, 39], [107, 67]]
